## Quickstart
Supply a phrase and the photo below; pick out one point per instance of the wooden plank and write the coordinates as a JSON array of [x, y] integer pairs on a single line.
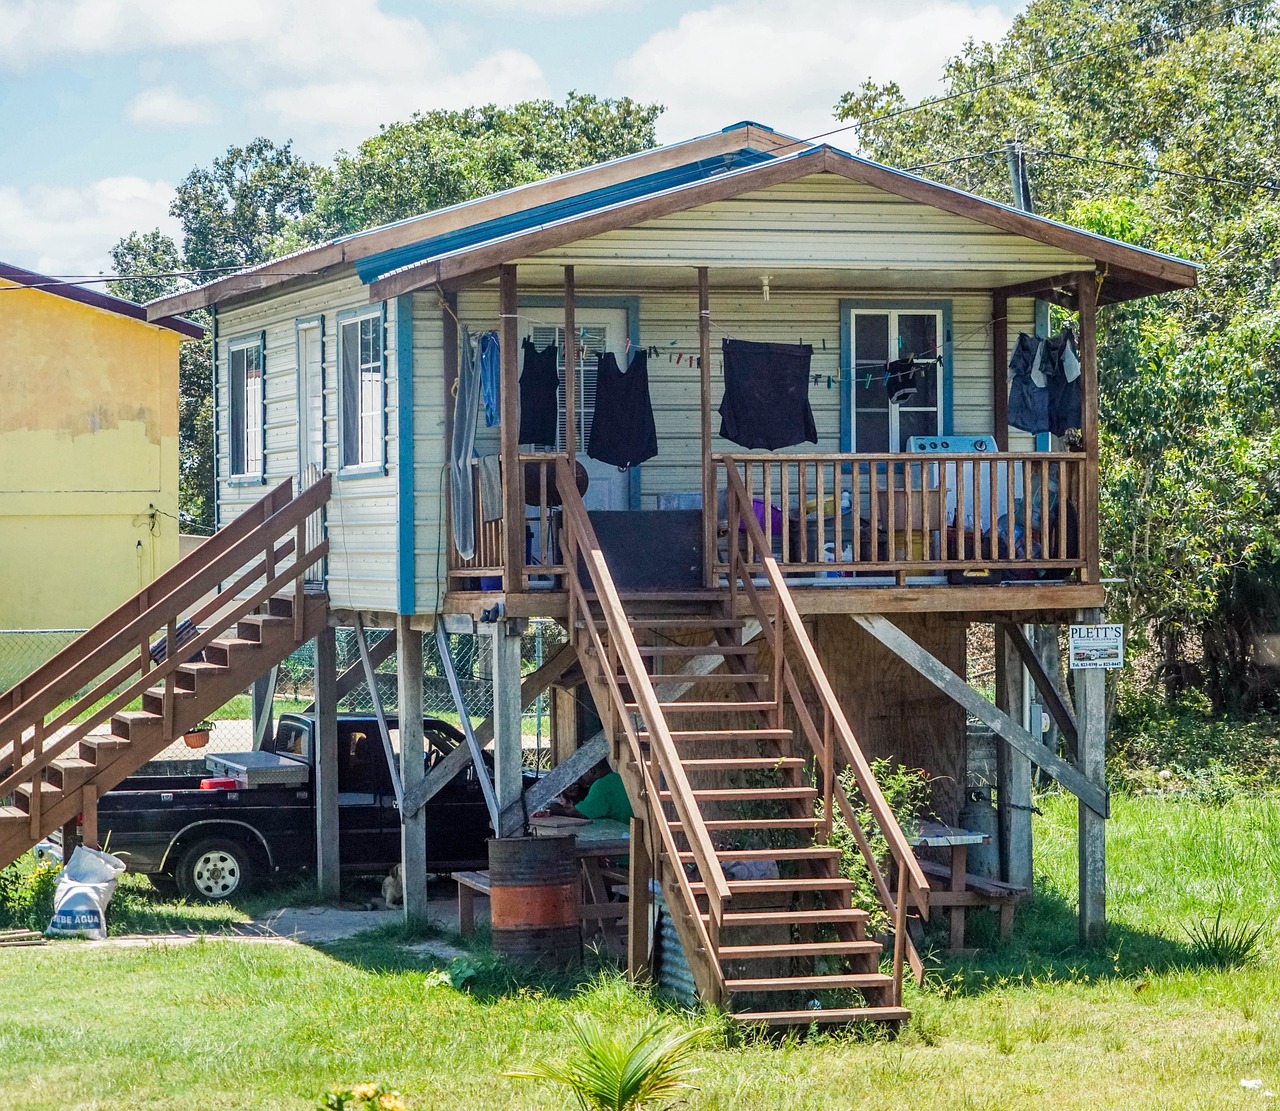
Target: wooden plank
[[639, 877], [708, 468], [947, 680], [1013, 772], [512, 477], [1045, 685], [1087, 296], [570, 366], [1000, 367], [413, 827], [1091, 688], [328, 874], [555, 783]]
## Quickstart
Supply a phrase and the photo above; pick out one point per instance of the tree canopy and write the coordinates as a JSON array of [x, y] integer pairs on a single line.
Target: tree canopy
[[1154, 122]]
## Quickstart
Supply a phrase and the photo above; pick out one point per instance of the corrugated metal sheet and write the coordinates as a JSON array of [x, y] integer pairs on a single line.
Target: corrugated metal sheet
[[672, 974]]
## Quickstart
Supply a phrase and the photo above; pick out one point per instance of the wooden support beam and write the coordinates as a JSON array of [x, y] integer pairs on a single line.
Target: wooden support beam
[[708, 468], [1091, 702], [1046, 685], [413, 827], [1087, 297], [328, 876], [449, 351], [952, 685], [535, 684], [1059, 288], [508, 755], [512, 472], [570, 365], [1000, 366], [353, 676], [375, 696], [89, 817], [1013, 772], [263, 697], [639, 901], [554, 783]]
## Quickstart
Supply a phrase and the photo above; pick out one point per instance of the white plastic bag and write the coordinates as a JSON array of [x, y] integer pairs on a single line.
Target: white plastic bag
[[84, 890]]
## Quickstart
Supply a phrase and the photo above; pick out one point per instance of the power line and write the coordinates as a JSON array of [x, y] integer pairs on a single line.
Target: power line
[[949, 161], [1210, 178]]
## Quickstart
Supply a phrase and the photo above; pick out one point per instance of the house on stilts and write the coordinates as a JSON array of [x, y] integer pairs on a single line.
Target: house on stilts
[[779, 590]]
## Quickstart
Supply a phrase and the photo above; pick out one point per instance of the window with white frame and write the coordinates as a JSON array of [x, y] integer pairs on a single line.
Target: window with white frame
[[362, 383], [246, 406], [880, 337]]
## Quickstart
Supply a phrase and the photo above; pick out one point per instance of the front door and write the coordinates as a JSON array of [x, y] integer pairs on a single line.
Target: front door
[[311, 428], [599, 331]]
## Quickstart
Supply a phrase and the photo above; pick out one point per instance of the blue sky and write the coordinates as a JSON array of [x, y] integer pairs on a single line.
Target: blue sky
[[106, 104]]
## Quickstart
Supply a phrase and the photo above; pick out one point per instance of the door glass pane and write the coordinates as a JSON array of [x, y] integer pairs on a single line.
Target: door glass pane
[[915, 422], [926, 395], [871, 337], [871, 430], [918, 334]]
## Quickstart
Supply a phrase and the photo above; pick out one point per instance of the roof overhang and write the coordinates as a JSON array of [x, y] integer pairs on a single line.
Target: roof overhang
[[45, 284]]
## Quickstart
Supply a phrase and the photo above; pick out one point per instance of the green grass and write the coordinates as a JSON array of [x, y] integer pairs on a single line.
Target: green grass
[[1144, 1022]]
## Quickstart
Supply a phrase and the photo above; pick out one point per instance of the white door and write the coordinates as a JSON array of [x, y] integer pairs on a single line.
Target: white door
[[599, 331]]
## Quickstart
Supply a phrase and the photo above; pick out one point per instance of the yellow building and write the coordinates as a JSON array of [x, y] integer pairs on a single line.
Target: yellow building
[[88, 450]]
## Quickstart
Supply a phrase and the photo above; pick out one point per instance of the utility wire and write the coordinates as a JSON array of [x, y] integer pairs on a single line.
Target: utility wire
[[1210, 178]]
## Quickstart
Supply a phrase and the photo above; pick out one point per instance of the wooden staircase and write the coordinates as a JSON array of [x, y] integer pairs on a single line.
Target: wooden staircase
[[234, 608], [714, 733]]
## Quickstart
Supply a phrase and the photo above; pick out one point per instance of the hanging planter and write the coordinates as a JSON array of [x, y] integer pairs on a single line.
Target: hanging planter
[[198, 735]]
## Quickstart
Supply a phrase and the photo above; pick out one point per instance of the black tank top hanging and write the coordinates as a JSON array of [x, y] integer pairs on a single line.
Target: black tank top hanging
[[622, 431], [538, 405]]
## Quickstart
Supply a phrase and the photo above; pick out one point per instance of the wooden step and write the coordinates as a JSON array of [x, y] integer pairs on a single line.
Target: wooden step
[[253, 626], [835, 1016], [825, 916], [669, 708], [68, 772], [224, 649], [49, 794], [153, 697], [800, 949], [99, 749], [712, 824], [780, 887], [808, 852], [749, 794], [708, 621], [725, 735], [714, 677], [280, 605], [697, 649], [11, 816], [859, 981], [743, 763], [135, 724]]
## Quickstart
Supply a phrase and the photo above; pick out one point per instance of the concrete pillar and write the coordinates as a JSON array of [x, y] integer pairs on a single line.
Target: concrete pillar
[[328, 874], [1091, 724], [413, 831], [508, 759], [1013, 771]]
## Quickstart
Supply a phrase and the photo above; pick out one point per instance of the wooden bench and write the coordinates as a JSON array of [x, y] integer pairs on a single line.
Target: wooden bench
[[978, 891], [470, 884]]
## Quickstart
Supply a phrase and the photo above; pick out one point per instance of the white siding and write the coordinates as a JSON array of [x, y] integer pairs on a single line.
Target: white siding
[[430, 472], [362, 513]]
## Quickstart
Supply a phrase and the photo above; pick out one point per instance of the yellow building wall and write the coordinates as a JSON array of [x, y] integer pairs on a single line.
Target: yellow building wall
[[88, 459]]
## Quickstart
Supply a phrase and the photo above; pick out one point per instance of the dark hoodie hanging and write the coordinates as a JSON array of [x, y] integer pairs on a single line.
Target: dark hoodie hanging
[[538, 405], [766, 394], [622, 429]]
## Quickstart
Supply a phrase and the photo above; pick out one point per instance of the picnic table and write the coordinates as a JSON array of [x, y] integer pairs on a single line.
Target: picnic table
[[964, 889]]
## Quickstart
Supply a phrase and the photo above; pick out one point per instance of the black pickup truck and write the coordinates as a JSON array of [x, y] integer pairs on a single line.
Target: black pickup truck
[[212, 842]]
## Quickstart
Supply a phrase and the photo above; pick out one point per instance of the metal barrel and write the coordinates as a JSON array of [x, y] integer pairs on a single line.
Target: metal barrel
[[534, 892]]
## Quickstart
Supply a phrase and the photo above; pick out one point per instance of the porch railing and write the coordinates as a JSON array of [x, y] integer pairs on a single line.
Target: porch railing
[[842, 514]]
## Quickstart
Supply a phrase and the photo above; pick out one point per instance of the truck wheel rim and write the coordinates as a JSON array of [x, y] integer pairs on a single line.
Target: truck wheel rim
[[216, 874]]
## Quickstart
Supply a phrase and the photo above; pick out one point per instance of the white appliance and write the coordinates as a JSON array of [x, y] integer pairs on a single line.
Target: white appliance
[[958, 474]]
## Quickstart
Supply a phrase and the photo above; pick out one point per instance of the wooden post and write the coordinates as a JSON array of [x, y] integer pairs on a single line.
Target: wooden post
[[1091, 721], [263, 697], [639, 902], [564, 724], [328, 875], [1087, 303], [1000, 367], [89, 817], [508, 759], [1013, 772], [449, 350], [413, 830], [512, 477], [708, 471], [570, 366]]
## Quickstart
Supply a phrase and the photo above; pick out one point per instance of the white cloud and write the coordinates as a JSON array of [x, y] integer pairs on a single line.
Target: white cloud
[[166, 106], [554, 9], [785, 63], [61, 230]]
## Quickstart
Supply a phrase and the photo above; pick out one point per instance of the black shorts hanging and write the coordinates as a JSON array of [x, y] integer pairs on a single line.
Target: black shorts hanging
[[538, 404], [766, 394], [622, 430]]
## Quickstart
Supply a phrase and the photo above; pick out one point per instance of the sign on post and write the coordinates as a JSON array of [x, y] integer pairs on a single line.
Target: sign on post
[[1096, 646]]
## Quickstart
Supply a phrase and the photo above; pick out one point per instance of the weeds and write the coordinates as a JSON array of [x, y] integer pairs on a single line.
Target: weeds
[[1221, 945]]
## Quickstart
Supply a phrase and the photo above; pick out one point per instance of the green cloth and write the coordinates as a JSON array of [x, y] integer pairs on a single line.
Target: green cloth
[[606, 798]]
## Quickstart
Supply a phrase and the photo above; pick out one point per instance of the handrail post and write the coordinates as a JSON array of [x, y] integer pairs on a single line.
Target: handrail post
[[512, 485], [899, 933]]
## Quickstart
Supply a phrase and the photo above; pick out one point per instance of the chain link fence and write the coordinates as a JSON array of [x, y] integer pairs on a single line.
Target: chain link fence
[[22, 651]]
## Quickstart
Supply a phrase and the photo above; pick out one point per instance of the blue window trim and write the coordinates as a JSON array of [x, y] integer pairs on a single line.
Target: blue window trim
[[299, 325], [631, 305], [379, 466], [406, 562], [248, 339], [947, 385]]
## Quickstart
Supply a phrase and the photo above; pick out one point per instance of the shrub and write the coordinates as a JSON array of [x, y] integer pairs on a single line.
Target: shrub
[[26, 893]]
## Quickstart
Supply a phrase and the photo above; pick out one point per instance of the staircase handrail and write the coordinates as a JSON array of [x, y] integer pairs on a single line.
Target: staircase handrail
[[257, 540], [184, 569], [580, 538], [742, 520]]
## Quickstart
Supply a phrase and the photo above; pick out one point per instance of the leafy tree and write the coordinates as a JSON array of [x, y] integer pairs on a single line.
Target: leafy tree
[[1154, 122], [439, 158]]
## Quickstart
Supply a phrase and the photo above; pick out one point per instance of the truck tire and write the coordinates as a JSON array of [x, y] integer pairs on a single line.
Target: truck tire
[[216, 869]]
